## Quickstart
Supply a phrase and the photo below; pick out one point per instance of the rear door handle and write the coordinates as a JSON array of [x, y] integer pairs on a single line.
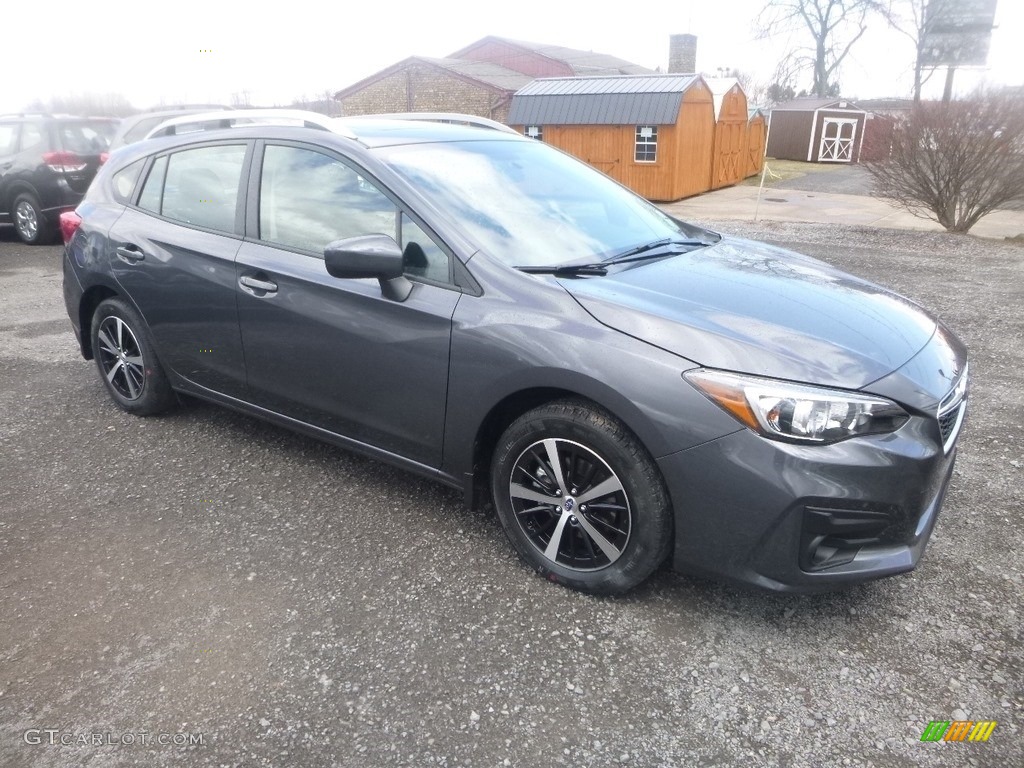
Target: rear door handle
[[266, 286], [130, 253]]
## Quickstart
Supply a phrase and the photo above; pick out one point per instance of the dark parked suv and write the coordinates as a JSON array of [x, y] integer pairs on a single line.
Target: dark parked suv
[[482, 309], [46, 165]]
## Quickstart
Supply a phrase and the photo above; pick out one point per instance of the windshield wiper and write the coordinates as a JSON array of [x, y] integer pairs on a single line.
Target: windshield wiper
[[640, 252], [567, 270]]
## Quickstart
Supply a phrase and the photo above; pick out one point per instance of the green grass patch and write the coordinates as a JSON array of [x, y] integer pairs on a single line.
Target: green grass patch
[[784, 170]]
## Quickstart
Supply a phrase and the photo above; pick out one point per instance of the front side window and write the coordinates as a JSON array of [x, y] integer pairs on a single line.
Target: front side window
[[535, 132], [646, 144], [423, 257], [201, 186], [308, 199]]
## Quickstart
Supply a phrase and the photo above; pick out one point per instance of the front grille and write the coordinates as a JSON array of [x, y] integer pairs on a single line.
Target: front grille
[[948, 422], [951, 412]]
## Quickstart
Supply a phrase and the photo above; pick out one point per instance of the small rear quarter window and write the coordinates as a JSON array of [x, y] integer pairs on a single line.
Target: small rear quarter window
[[124, 181]]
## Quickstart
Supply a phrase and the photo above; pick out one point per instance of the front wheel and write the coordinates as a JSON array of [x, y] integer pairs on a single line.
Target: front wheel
[[580, 498]]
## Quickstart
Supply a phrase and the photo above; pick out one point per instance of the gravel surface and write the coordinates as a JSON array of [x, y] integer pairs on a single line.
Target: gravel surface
[[296, 605]]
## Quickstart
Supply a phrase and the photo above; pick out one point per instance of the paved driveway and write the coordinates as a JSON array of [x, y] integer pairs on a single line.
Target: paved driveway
[[204, 576]]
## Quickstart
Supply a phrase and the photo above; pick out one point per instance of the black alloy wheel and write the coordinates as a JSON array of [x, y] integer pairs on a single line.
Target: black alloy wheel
[[580, 498], [127, 361], [30, 224]]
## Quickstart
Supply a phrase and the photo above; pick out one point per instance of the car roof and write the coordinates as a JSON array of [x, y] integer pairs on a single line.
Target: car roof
[[35, 116], [382, 132], [368, 130]]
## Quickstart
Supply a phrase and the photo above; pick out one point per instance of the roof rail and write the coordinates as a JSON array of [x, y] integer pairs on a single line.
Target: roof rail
[[197, 107], [442, 117], [206, 121]]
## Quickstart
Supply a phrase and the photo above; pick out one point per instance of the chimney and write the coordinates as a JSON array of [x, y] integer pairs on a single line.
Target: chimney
[[682, 53]]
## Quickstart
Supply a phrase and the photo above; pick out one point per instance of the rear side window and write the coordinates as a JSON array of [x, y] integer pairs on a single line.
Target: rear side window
[[308, 200], [123, 183], [8, 138], [199, 186], [32, 136], [153, 193]]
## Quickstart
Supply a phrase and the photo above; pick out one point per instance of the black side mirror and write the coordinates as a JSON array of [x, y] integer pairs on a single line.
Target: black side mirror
[[369, 256]]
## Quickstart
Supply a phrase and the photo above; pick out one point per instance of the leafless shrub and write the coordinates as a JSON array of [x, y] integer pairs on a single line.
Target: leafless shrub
[[956, 162]]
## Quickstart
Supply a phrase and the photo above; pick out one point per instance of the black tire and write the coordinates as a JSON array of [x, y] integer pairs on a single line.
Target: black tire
[[30, 224], [631, 511], [126, 360]]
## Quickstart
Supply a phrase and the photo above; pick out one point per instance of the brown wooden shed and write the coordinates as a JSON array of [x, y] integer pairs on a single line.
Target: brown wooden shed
[[817, 131], [653, 133], [729, 161], [757, 133]]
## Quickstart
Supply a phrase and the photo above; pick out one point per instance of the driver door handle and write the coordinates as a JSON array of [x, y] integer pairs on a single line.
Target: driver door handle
[[258, 285]]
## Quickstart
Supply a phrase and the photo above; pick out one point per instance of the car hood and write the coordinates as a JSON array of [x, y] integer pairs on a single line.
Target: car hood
[[745, 306]]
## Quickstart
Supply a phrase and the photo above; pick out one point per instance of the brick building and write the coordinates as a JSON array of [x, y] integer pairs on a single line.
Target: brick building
[[479, 79]]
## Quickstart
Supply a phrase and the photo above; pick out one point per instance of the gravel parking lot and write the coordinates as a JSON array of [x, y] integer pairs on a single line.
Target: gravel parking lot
[[206, 576]]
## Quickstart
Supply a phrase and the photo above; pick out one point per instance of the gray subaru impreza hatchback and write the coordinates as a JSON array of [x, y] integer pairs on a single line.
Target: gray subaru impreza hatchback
[[484, 310]]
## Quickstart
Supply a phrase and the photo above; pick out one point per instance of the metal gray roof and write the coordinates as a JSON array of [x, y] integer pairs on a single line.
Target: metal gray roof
[[809, 104], [636, 100], [548, 86]]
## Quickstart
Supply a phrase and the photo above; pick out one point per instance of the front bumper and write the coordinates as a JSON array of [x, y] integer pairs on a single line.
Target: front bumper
[[800, 518]]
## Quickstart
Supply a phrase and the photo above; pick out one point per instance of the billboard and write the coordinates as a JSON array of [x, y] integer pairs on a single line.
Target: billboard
[[957, 32]]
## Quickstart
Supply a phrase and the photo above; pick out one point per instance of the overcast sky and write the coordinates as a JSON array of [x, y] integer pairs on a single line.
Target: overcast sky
[[206, 51]]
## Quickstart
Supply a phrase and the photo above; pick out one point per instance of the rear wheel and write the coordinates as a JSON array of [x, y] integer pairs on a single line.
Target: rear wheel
[[127, 361], [580, 498], [30, 224]]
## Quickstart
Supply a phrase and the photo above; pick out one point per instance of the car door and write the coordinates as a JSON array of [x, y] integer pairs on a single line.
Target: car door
[[173, 252], [332, 352]]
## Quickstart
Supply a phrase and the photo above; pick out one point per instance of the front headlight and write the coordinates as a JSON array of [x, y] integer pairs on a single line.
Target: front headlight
[[796, 412]]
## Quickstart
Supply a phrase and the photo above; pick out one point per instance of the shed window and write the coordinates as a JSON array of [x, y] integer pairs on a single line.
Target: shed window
[[535, 132], [646, 144]]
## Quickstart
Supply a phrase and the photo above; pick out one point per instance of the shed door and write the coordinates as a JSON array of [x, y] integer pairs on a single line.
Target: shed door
[[837, 135]]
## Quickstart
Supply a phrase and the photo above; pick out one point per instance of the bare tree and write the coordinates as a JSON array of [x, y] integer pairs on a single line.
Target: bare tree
[[956, 163], [913, 20], [323, 103], [85, 103], [833, 26]]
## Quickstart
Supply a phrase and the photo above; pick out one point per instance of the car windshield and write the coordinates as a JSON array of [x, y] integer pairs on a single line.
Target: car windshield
[[138, 131], [528, 204]]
